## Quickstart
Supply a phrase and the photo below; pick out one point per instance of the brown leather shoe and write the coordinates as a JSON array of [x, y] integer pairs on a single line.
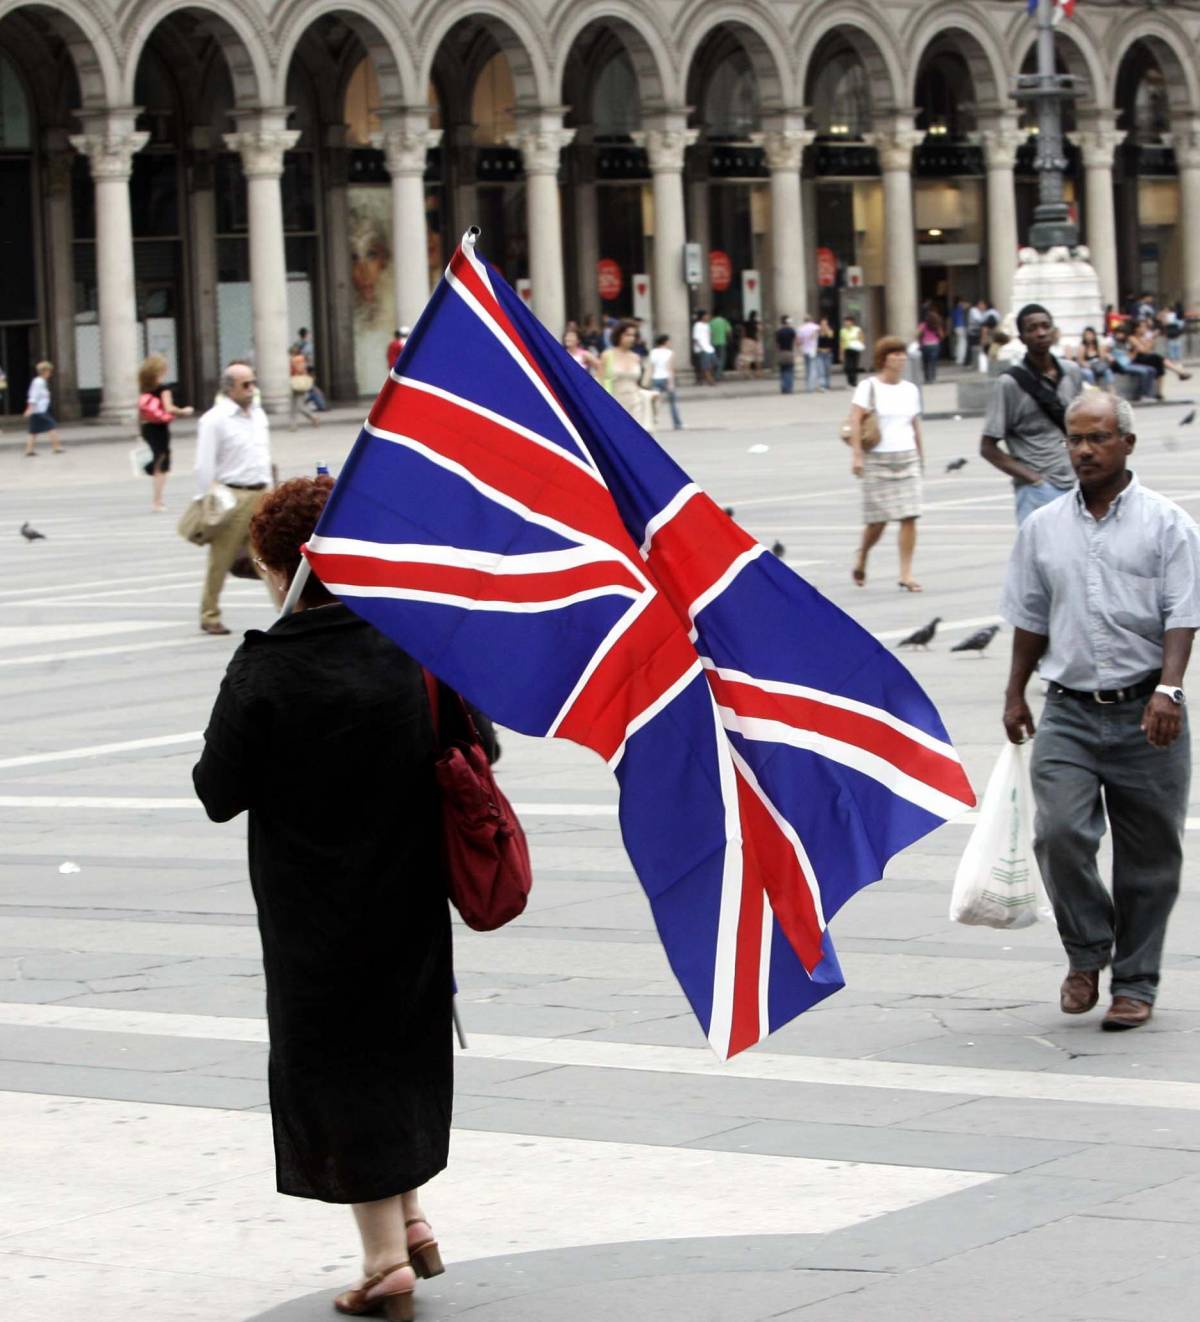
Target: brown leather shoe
[[1125, 1013], [367, 1300], [213, 626], [1080, 991]]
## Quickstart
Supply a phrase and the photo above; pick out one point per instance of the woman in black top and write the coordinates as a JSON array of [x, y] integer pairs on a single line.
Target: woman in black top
[[322, 733], [826, 342], [156, 409]]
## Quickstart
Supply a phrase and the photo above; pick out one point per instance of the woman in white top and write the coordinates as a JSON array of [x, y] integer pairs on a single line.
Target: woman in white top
[[622, 371], [662, 375], [37, 410], [891, 470]]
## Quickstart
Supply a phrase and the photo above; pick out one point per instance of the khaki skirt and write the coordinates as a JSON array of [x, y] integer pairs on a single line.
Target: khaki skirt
[[891, 486]]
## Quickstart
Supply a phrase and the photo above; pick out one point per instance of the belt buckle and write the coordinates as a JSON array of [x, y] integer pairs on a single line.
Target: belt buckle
[[1107, 702]]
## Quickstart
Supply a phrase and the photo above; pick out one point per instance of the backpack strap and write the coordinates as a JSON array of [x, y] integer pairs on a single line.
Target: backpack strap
[[1041, 394]]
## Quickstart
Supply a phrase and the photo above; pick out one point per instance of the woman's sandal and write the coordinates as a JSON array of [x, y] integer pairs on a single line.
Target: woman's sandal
[[395, 1305], [424, 1254], [908, 585]]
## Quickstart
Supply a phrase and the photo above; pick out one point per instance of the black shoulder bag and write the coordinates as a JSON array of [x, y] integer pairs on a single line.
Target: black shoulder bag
[[1042, 395]]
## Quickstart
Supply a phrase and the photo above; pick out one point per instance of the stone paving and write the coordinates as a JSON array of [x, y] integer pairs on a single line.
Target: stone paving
[[936, 1141]]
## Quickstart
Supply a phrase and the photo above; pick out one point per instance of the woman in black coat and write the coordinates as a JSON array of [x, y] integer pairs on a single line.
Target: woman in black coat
[[322, 733]]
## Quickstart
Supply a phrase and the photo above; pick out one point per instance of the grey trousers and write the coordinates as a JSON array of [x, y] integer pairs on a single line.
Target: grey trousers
[[1089, 758]]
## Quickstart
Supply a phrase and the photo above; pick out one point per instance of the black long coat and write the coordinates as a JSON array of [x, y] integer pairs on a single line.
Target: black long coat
[[322, 732]]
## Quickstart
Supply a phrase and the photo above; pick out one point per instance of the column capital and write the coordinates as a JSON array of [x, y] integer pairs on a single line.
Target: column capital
[[1001, 137], [109, 140], [540, 138], [1098, 139], [1186, 143], [665, 147], [261, 138], [784, 148], [404, 138], [895, 140]]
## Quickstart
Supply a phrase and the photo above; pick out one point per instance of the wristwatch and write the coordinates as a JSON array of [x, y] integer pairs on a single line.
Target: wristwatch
[[1176, 695]]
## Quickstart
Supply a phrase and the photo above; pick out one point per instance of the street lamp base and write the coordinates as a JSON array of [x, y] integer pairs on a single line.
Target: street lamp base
[[1053, 228]]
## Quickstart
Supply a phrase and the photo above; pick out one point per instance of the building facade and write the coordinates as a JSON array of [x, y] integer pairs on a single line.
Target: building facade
[[203, 179]]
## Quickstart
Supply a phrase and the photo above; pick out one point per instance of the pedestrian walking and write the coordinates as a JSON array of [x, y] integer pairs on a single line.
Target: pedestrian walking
[[852, 345], [156, 411], [233, 448], [301, 381], [1026, 414], [1103, 593], [930, 334], [785, 354], [891, 471], [623, 372], [662, 376], [720, 331], [351, 900], [806, 338], [1172, 324], [37, 410], [702, 349], [586, 359], [315, 397], [826, 343], [958, 322]]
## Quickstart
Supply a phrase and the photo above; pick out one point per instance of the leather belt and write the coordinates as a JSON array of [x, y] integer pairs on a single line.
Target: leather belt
[[1105, 697], [247, 486]]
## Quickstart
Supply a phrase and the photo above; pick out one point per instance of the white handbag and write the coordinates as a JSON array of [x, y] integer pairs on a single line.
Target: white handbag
[[998, 882]]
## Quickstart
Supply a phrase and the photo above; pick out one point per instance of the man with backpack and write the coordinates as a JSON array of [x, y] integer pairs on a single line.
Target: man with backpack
[[1027, 414]]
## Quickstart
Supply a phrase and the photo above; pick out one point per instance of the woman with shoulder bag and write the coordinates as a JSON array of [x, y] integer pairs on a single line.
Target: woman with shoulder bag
[[323, 733], [890, 469], [301, 380], [156, 411]]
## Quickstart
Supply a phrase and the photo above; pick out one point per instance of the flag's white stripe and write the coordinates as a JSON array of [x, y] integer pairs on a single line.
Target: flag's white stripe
[[501, 420], [614, 636], [566, 531], [823, 696], [667, 513], [789, 832], [720, 1024], [850, 755], [515, 354], [711, 593], [764, 969], [475, 604], [645, 716], [461, 557]]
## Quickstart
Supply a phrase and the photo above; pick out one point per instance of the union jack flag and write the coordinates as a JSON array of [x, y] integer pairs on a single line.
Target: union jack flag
[[506, 522]]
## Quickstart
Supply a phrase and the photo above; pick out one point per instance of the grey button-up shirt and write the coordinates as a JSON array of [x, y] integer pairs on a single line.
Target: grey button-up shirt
[[1104, 592], [1028, 434]]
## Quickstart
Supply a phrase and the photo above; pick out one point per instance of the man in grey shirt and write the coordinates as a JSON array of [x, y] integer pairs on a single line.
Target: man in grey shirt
[[1103, 590], [1026, 414]]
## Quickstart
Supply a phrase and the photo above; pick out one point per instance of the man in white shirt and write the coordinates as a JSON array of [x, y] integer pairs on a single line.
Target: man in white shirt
[[233, 448], [806, 341], [702, 349]]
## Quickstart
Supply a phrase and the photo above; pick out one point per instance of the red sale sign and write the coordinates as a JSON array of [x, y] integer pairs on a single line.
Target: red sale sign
[[720, 271], [826, 267], [608, 279]]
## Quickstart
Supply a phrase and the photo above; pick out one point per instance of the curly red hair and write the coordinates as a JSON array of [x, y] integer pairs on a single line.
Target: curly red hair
[[284, 521]]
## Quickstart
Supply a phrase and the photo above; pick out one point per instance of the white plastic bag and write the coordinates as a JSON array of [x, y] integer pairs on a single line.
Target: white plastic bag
[[998, 883], [139, 457]]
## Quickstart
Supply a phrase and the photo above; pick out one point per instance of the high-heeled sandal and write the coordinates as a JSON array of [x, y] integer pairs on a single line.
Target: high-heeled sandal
[[395, 1305], [425, 1257]]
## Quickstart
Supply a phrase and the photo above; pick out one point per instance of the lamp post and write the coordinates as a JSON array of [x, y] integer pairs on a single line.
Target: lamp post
[[1048, 90]]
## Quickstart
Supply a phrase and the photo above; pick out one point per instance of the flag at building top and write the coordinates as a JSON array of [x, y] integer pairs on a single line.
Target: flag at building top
[[1063, 9], [507, 522]]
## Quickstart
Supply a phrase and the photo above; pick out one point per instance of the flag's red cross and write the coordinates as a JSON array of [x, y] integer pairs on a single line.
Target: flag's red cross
[[688, 555]]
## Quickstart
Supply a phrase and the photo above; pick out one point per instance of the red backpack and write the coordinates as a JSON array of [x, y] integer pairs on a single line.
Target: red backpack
[[484, 851]]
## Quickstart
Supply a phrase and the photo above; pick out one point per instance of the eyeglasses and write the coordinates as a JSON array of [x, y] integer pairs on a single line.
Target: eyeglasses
[[1091, 438]]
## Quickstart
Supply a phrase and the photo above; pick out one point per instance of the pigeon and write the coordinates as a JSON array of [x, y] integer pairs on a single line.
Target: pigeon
[[778, 550], [1188, 419], [923, 636], [31, 534], [977, 642], [955, 464]]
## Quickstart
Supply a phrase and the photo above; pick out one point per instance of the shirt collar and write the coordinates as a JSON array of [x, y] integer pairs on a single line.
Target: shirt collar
[[1117, 507]]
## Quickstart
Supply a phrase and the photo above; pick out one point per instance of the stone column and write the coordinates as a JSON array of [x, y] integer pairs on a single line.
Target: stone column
[[1186, 142], [541, 138], [202, 201], [791, 255], [587, 224], [405, 139], [60, 272], [894, 143], [1001, 142], [666, 144], [461, 167], [261, 139], [1098, 140], [109, 141]]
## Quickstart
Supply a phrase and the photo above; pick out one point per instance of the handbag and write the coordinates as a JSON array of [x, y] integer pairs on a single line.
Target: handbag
[[302, 383], [203, 515], [870, 435], [484, 852]]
